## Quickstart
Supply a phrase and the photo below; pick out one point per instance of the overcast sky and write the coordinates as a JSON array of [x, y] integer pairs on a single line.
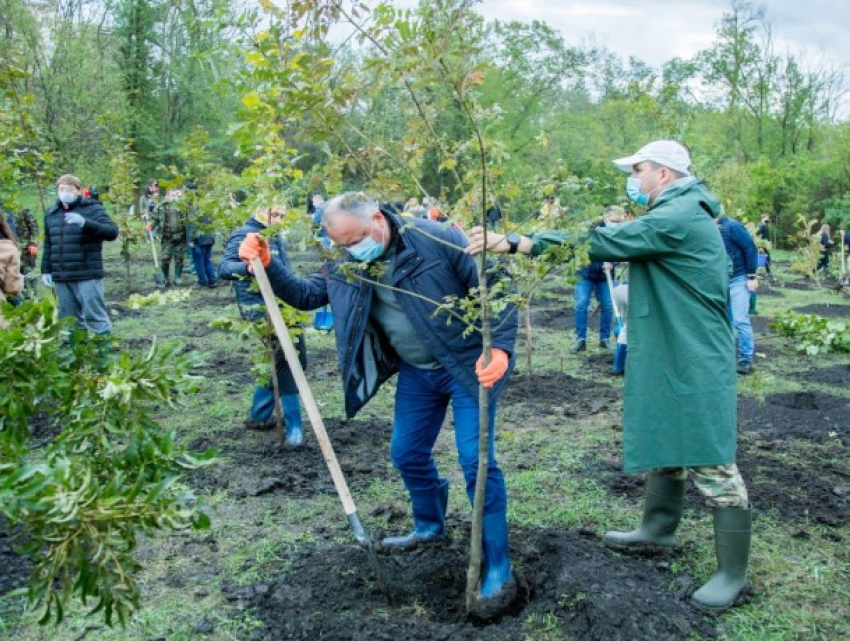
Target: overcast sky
[[658, 30]]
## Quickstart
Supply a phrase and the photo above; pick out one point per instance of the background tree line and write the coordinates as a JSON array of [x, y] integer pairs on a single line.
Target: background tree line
[[294, 91]]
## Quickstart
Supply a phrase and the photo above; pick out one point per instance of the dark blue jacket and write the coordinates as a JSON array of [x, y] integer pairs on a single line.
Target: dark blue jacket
[[248, 297], [72, 253], [740, 247], [423, 266]]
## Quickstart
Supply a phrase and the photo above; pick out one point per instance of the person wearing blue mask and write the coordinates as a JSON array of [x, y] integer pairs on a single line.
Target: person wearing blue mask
[[71, 260], [679, 402], [385, 323]]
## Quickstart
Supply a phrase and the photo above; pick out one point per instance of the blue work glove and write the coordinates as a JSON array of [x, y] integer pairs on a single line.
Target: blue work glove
[[73, 218], [47, 279]]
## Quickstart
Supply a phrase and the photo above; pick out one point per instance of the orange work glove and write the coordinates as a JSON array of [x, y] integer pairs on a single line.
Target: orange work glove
[[32, 250], [255, 246], [489, 376]]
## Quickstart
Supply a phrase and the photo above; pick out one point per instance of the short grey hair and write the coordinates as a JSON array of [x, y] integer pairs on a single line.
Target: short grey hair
[[351, 203], [678, 174]]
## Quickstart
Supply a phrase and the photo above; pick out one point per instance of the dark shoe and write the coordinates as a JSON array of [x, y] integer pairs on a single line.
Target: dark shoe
[[745, 367], [732, 533], [603, 344], [429, 519], [662, 510], [578, 346], [268, 424]]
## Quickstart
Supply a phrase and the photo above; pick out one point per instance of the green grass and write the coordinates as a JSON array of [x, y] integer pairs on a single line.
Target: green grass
[[799, 584]]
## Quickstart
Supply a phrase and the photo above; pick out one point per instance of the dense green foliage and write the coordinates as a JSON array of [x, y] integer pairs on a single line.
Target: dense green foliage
[[814, 334], [103, 470], [321, 110]]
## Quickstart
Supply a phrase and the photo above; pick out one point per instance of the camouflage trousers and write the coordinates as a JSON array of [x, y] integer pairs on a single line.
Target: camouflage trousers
[[173, 249], [721, 485]]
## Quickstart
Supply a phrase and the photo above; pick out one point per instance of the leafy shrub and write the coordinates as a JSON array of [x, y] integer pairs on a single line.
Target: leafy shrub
[[107, 473], [816, 335]]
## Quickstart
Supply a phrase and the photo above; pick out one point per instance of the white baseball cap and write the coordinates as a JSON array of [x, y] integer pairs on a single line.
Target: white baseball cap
[[666, 153]]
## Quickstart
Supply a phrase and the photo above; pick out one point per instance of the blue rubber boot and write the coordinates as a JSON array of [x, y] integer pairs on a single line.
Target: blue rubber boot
[[429, 518], [620, 359], [292, 418]]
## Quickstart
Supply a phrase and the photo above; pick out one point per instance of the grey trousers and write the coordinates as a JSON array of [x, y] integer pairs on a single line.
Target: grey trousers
[[84, 301]]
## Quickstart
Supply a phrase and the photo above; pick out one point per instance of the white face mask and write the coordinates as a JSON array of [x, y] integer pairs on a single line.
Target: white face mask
[[67, 196]]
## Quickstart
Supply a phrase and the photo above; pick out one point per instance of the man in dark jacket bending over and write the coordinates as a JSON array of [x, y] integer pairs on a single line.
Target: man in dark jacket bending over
[[74, 230], [385, 324]]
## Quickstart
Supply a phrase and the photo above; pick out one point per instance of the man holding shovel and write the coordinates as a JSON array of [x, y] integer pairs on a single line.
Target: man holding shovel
[[253, 308], [385, 323]]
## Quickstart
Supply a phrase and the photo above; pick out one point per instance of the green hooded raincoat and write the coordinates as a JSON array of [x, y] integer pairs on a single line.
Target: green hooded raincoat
[[680, 406]]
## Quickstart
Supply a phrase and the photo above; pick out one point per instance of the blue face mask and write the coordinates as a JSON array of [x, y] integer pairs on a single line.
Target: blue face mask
[[367, 249], [633, 191], [67, 197]]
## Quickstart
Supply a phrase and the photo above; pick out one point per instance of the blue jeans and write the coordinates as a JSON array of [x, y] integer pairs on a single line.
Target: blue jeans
[[584, 288], [83, 299], [739, 307], [202, 259], [421, 399]]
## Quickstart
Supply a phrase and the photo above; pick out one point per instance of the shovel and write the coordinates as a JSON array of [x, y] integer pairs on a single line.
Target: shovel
[[316, 422], [618, 319], [158, 277]]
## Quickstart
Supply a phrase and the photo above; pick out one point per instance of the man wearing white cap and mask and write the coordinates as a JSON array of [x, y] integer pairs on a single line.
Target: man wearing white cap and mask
[[680, 405]]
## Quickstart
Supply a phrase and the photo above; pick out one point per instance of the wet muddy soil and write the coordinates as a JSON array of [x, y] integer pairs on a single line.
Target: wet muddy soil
[[564, 394], [256, 462], [568, 582]]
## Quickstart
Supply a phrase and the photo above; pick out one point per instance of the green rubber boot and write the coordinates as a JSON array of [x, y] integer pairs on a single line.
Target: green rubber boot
[[662, 511], [178, 273], [165, 267], [732, 532]]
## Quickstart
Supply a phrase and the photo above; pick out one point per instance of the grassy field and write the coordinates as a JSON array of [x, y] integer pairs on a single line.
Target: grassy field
[[560, 454]]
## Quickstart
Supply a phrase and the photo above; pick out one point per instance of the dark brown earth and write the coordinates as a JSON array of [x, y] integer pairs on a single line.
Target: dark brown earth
[[254, 463], [826, 311], [568, 581]]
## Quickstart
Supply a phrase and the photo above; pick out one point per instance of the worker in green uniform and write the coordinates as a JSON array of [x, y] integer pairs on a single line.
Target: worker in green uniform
[[680, 409]]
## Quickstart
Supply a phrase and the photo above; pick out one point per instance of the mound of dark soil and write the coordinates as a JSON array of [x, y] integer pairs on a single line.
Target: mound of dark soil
[[573, 397], [255, 463], [558, 318], [809, 415], [569, 584], [825, 311], [838, 375]]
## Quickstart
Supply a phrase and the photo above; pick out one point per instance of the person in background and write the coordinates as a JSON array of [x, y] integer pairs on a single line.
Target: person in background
[[494, 213], [253, 308], [592, 281], [743, 282], [763, 234], [27, 241], [170, 219], [825, 234], [71, 260], [11, 279], [201, 240]]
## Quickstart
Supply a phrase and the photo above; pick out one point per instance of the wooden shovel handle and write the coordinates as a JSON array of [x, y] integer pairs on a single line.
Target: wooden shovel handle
[[303, 386]]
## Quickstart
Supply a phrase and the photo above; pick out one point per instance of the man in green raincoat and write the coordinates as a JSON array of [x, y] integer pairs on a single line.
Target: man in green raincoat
[[680, 399]]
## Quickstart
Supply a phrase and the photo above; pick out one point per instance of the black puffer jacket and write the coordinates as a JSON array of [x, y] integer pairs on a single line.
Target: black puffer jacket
[[73, 253]]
